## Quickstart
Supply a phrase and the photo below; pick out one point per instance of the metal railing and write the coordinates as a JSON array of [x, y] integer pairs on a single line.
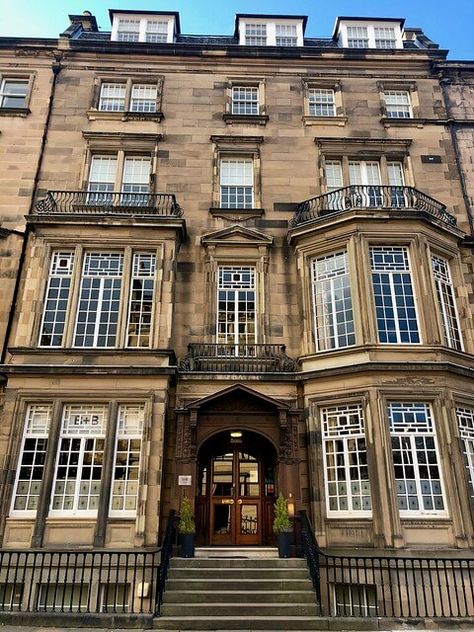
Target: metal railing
[[86, 582], [246, 358], [114, 203], [361, 586], [166, 554], [370, 197]]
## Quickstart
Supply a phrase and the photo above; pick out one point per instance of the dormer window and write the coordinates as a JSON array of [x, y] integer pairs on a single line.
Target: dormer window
[[153, 27], [256, 34], [270, 30], [286, 35], [369, 33]]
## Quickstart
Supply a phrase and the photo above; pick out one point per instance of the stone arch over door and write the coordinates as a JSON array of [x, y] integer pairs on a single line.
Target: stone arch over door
[[239, 408]]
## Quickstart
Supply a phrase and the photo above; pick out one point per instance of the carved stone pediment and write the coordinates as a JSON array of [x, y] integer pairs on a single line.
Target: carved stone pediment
[[237, 235]]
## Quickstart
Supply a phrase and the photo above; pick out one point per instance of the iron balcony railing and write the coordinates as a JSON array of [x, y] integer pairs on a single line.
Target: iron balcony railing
[[370, 197], [114, 203], [376, 586], [246, 358]]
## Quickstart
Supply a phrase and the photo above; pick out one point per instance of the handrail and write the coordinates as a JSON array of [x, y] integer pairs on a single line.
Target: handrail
[[242, 358], [166, 555], [113, 202], [370, 197], [311, 552]]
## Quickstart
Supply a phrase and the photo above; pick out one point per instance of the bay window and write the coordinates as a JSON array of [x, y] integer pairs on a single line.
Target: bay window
[[415, 459], [465, 416]]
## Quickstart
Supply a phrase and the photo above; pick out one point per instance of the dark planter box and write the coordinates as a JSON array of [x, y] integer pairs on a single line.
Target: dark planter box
[[187, 545], [284, 542]]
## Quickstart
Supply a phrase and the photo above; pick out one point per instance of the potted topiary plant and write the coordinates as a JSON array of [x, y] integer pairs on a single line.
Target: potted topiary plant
[[186, 528], [282, 526]]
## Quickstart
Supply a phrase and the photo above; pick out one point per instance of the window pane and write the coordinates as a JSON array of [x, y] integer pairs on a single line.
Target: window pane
[[357, 37], [397, 103], [385, 37], [245, 100], [236, 308], [57, 299], [256, 34], [415, 458], [13, 93], [397, 321], [321, 102], [236, 179], [33, 455], [446, 302], [286, 35], [128, 30], [144, 97], [99, 300], [76, 486], [141, 300], [346, 469], [112, 97], [127, 459], [332, 302], [156, 31], [466, 430]]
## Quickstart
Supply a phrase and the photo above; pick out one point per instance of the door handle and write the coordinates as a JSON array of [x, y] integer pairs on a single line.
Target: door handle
[[240, 501]]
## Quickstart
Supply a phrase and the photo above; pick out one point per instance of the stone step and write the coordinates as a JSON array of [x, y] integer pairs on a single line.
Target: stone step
[[239, 609], [180, 562], [217, 584], [239, 596], [238, 573], [237, 551], [241, 623]]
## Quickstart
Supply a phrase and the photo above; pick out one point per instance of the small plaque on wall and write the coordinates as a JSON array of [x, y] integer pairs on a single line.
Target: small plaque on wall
[[185, 480]]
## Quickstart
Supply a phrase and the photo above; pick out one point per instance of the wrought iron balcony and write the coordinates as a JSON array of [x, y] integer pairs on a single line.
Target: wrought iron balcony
[[113, 203], [227, 358], [370, 197]]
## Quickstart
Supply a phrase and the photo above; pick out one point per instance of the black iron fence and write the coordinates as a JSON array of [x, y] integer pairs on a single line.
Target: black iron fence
[[367, 197], [115, 203], [245, 358], [362, 586], [89, 582]]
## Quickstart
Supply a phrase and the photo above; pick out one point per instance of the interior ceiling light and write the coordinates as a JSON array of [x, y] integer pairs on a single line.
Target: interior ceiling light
[[236, 434]]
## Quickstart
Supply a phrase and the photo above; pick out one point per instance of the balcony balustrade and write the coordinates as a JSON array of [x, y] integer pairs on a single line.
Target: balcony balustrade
[[225, 358], [370, 197], [113, 203]]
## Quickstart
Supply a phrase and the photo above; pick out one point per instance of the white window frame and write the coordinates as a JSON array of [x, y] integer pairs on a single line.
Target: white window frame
[[114, 588], [243, 101], [84, 411], [391, 96], [128, 435], [271, 25], [321, 97], [247, 160], [465, 417], [41, 432], [79, 589], [444, 290], [6, 93], [232, 339], [120, 159], [347, 609], [412, 435], [393, 296], [327, 281], [144, 280], [59, 281], [350, 430], [143, 25]]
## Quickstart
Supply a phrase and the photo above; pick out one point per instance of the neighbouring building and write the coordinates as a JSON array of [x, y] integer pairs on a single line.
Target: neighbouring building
[[244, 267]]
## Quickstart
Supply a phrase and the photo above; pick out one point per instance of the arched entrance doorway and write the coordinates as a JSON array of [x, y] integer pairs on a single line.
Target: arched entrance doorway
[[236, 489]]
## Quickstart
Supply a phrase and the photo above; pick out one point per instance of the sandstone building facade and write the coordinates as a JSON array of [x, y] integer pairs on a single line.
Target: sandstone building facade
[[237, 265]]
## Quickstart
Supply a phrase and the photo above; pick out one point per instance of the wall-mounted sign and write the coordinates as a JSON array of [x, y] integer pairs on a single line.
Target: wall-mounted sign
[[185, 480]]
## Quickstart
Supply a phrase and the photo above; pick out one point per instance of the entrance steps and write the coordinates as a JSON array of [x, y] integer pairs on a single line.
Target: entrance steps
[[236, 552], [238, 593]]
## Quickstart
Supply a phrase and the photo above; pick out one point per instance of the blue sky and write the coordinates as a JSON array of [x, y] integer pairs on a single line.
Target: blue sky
[[448, 22]]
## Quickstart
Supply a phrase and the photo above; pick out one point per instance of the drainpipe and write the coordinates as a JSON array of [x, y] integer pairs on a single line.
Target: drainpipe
[[56, 68], [451, 122]]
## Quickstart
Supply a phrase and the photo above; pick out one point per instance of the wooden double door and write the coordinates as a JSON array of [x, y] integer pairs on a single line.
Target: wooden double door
[[236, 496]]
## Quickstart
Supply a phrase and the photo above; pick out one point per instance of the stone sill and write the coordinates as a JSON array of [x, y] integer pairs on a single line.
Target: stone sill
[[388, 121], [100, 115], [325, 120], [245, 119], [21, 112], [236, 214]]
